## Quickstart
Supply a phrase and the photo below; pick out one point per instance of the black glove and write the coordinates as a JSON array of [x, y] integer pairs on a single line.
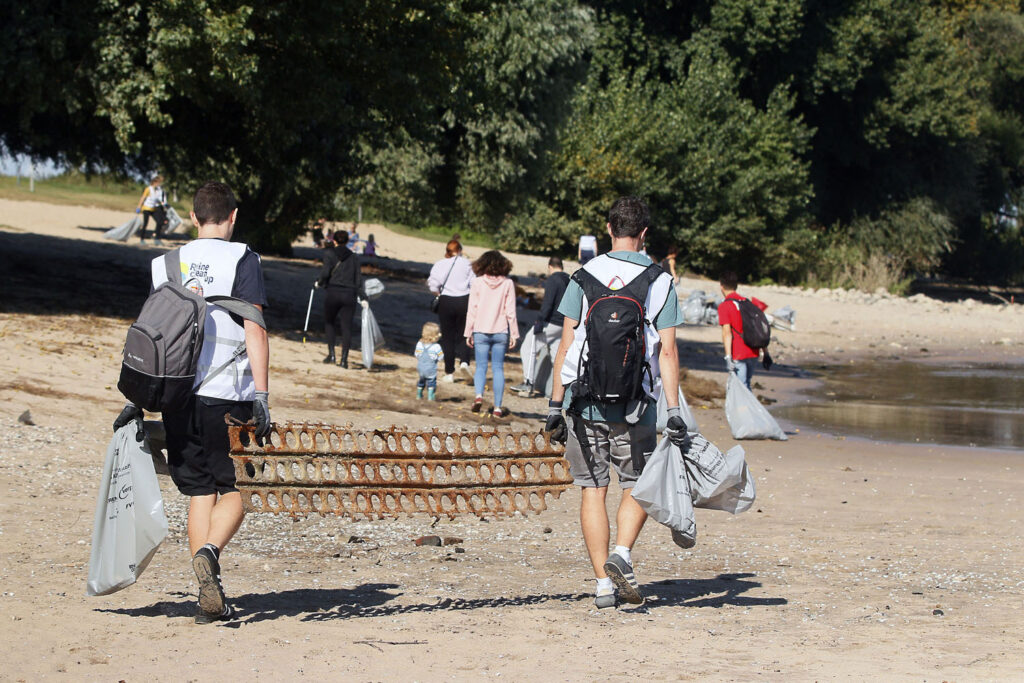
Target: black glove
[[556, 423], [261, 414], [767, 361], [129, 413], [675, 429], [538, 328]]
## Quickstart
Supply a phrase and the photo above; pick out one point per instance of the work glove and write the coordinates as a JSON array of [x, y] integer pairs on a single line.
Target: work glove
[[316, 285], [128, 413], [766, 361], [538, 328], [138, 210], [261, 414], [675, 429], [364, 303], [556, 423], [730, 366]]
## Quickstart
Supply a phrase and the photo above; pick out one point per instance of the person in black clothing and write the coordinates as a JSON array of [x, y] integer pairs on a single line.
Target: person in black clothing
[[547, 329], [343, 279]]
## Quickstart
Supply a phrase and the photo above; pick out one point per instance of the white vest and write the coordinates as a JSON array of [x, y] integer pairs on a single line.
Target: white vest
[[154, 198], [615, 274], [208, 267]]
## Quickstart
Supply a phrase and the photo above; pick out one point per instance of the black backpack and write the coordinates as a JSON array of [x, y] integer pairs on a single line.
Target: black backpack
[[161, 350], [757, 332], [615, 343]]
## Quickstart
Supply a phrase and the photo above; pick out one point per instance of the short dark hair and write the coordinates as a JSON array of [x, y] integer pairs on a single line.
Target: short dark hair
[[340, 237], [213, 203], [555, 262], [628, 217], [729, 280], [492, 262]]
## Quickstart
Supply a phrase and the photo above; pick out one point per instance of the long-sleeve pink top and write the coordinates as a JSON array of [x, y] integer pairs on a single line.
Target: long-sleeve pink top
[[492, 307]]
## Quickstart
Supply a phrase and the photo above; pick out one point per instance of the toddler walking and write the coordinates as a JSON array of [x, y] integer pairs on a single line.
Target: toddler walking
[[428, 352]]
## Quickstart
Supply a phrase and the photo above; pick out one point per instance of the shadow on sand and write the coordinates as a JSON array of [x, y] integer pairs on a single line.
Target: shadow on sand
[[378, 600]]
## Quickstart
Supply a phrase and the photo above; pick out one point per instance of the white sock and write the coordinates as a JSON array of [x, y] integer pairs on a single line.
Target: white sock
[[623, 552], [605, 584]]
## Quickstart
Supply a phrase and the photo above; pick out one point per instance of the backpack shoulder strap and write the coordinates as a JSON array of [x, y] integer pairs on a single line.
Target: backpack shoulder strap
[[592, 288], [243, 309], [638, 286], [172, 264]]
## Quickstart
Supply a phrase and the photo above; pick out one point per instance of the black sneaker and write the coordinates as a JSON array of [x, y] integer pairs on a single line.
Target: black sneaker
[[621, 574], [207, 618], [207, 569], [329, 360]]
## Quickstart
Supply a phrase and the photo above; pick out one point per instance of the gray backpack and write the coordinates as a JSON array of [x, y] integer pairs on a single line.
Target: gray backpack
[[162, 347]]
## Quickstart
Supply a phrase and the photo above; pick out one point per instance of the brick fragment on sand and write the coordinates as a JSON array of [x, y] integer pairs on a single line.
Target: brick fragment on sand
[[452, 540], [428, 540]]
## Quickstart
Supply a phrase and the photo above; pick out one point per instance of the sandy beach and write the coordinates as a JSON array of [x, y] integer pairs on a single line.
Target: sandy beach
[[859, 558]]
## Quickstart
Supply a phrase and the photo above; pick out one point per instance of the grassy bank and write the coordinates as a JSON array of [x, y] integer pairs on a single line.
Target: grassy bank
[[75, 189]]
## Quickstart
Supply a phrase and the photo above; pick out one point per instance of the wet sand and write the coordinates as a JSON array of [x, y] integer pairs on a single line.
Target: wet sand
[[858, 559]]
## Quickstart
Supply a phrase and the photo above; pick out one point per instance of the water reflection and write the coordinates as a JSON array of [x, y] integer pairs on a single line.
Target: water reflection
[[915, 402]]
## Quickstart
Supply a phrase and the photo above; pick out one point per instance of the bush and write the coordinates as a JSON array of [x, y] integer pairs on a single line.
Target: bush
[[539, 229]]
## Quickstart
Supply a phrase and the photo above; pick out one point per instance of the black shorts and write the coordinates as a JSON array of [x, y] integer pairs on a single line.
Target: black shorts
[[197, 445]]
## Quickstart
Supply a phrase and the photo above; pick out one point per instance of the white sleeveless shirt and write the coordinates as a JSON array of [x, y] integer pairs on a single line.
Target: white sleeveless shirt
[[209, 266]]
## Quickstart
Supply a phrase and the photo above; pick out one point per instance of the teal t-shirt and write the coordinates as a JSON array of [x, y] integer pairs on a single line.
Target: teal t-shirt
[[571, 306]]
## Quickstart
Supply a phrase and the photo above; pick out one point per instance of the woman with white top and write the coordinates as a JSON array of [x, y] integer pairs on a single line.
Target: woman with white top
[[153, 203], [450, 278], [587, 250]]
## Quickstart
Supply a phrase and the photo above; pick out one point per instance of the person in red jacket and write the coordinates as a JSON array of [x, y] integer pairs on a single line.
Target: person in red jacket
[[739, 357]]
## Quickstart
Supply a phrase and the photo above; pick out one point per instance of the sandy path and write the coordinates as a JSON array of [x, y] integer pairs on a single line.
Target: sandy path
[[836, 572]]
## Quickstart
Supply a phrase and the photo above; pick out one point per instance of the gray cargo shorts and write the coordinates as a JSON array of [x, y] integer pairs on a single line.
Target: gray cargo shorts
[[611, 445]]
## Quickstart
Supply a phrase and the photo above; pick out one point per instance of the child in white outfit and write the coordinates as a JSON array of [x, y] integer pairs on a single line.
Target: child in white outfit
[[428, 353]]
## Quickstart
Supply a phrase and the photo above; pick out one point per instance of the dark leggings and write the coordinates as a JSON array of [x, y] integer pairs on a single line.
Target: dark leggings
[[452, 314], [340, 308], [159, 220]]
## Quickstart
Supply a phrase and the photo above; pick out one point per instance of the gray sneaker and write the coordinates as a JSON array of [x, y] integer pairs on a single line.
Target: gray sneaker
[[621, 573], [524, 389], [605, 598]]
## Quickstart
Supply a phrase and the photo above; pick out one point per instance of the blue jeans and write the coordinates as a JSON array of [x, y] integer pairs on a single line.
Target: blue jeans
[[745, 369], [428, 382], [490, 346]]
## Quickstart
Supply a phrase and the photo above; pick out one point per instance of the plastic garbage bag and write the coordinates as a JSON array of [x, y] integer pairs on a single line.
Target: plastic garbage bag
[[372, 288], [747, 418], [784, 318], [693, 308], [129, 524], [663, 491], [125, 230], [537, 362], [174, 222], [719, 481], [684, 412], [372, 337]]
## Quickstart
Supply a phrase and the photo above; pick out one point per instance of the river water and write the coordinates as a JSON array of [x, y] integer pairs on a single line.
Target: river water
[[968, 404]]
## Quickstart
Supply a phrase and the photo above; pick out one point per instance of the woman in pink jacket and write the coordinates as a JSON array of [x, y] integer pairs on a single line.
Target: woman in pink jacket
[[491, 327]]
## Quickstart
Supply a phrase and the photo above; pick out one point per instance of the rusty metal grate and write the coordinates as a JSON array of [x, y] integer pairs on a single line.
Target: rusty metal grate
[[315, 468]]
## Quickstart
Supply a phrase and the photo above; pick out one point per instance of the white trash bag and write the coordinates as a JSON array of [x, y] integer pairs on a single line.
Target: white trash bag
[[372, 337], [174, 221], [684, 412], [663, 491], [125, 230], [747, 418], [130, 523], [372, 288], [718, 481], [693, 308]]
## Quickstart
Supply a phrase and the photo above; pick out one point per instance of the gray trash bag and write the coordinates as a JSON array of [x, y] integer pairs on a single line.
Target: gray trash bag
[[372, 288], [125, 230], [663, 491], [747, 418], [784, 318], [537, 362], [719, 481], [693, 308], [684, 411], [174, 222], [129, 523], [372, 337]]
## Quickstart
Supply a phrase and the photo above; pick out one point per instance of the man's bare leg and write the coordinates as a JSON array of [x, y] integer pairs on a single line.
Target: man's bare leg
[[629, 520], [213, 519], [594, 520]]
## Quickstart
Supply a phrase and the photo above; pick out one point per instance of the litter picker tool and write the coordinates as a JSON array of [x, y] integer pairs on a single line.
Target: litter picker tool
[[308, 309]]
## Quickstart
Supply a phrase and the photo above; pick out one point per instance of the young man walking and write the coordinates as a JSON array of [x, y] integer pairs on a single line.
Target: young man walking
[[614, 433], [739, 357], [547, 329], [231, 380]]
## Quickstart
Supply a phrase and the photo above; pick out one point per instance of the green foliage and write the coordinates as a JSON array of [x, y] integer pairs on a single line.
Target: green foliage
[[539, 229]]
